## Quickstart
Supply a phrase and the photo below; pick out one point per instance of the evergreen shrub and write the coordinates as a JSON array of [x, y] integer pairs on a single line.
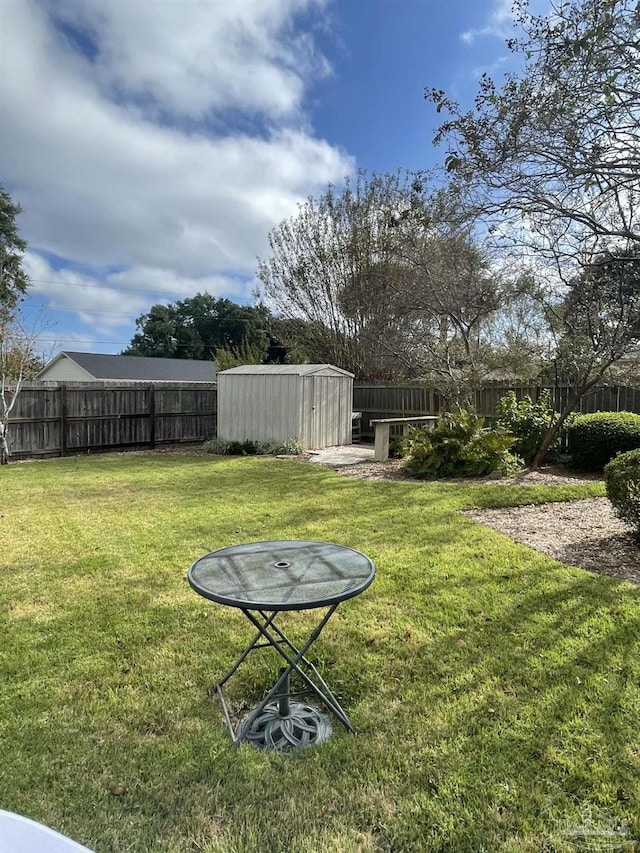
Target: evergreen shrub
[[459, 446], [221, 447], [596, 438], [622, 481]]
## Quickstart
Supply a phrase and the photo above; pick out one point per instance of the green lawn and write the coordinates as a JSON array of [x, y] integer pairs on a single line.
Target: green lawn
[[496, 691]]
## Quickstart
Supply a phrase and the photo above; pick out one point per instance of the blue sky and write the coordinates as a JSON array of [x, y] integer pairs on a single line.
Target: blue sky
[[154, 143]]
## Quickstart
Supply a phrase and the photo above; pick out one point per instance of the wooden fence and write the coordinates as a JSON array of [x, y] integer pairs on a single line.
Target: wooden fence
[[51, 419], [398, 400]]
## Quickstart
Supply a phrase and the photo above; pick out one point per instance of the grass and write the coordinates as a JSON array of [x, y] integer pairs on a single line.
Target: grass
[[495, 690]]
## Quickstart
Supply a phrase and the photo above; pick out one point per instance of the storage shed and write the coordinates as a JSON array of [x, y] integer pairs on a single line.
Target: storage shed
[[310, 403]]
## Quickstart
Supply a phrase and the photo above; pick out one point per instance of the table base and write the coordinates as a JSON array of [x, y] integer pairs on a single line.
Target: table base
[[303, 726], [276, 719]]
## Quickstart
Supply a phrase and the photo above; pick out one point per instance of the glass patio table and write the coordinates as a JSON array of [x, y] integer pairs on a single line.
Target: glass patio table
[[264, 580]]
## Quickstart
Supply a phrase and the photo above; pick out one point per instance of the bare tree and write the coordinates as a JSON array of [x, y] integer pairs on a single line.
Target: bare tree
[[18, 361], [386, 275], [594, 326], [462, 305], [18, 357], [331, 266], [554, 153]]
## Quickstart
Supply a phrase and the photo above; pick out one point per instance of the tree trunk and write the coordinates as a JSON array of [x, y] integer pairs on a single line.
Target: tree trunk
[[4, 447], [554, 429]]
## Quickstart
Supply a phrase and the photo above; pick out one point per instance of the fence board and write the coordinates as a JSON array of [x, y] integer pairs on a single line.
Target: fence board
[[54, 419], [396, 400]]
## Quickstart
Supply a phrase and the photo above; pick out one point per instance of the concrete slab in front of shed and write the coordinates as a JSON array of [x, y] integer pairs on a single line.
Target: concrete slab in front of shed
[[349, 454]]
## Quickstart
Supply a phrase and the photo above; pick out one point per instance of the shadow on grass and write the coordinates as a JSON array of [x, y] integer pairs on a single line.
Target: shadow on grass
[[487, 681]]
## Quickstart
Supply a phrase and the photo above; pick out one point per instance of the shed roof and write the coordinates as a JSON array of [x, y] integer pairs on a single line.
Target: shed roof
[[286, 369], [138, 368]]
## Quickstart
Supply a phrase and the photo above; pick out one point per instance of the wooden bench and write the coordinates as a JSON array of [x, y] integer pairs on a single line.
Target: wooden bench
[[383, 425]]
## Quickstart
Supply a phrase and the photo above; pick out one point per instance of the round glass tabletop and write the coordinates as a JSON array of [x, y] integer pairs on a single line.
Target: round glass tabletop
[[281, 575]]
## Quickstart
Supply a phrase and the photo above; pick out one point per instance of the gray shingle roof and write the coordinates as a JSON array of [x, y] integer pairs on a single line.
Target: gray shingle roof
[[141, 368]]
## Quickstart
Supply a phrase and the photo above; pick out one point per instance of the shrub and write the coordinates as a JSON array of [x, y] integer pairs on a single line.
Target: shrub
[[290, 447], [526, 421], [216, 445], [596, 438], [234, 448], [622, 480], [221, 447], [459, 446], [397, 448]]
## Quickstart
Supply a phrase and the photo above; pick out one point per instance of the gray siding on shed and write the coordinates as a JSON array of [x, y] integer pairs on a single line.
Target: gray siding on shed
[[308, 403]]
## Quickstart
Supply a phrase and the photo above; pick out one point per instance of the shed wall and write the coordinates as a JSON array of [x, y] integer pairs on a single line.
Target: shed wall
[[259, 407]]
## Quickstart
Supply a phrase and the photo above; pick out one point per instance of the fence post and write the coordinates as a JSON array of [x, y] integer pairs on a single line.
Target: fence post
[[63, 420], [152, 416]]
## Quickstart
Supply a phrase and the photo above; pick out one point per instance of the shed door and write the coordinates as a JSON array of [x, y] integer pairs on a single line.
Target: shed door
[[325, 414]]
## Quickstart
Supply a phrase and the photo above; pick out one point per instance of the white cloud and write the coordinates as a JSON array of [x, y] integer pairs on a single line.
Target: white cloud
[[194, 55], [93, 302], [498, 26], [108, 182], [115, 300]]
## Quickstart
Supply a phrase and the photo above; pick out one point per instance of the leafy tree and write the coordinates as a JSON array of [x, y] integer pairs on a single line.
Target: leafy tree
[[595, 325], [554, 152], [13, 279], [552, 158], [17, 345], [199, 326]]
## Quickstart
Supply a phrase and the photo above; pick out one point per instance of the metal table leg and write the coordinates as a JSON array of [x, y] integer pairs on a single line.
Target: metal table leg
[[277, 723]]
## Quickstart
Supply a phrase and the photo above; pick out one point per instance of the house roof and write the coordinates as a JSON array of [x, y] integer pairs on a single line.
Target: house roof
[[286, 369], [139, 368]]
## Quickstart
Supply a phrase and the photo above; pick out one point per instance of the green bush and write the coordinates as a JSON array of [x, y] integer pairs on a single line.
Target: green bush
[[221, 447], [235, 448], [217, 446], [397, 448], [290, 447], [459, 446], [622, 481], [596, 438], [526, 421]]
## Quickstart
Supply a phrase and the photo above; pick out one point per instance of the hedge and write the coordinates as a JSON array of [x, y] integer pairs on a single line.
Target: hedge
[[596, 438], [622, 480]]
